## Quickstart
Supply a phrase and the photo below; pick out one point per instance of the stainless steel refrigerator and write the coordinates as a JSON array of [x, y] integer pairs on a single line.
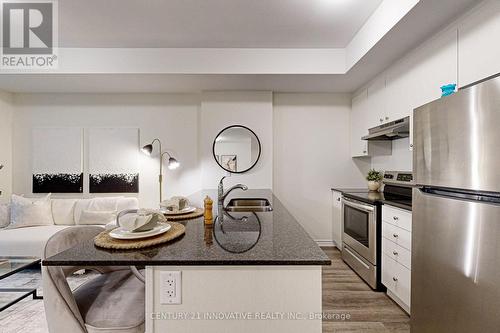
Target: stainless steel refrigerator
[[455, 285]]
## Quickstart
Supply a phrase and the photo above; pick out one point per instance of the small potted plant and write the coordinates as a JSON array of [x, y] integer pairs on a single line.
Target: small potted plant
[[374, 178]]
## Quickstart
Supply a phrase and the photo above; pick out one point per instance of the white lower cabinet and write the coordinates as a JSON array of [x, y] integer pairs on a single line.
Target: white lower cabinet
[[397, 279], [337, 219], [396, 254]]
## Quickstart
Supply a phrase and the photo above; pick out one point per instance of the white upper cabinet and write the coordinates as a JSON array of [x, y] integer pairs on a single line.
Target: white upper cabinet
[[377, 99], [479, 50], [359, 124], [362, 118], [464, 53], [417, 78]]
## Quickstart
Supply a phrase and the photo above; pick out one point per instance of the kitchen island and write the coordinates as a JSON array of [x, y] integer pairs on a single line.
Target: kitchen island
[[254, 272]]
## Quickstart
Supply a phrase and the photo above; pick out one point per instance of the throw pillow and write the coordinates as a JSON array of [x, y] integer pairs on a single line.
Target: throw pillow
[[26, 212], [91, 217], [4, 215]]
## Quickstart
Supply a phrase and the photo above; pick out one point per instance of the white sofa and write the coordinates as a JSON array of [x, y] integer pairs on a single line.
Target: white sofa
[[30, 241]]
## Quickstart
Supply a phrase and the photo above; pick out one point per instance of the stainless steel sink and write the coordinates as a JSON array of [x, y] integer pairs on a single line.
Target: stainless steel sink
[[248, 205]]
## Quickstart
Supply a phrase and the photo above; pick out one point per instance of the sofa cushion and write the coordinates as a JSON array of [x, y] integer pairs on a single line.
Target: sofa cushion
[[104, 203], [80, 206], [127, 203], [112, 302], [96, 204], [4, 215], [26, 241], [30, 212], [63, 211], [93, 217]]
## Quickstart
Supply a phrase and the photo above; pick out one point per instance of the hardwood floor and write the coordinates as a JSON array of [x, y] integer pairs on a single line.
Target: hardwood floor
[[344, 293]]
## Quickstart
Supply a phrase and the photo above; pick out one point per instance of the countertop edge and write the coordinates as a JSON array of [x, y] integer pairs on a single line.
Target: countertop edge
[[190, 263], [348, 189]]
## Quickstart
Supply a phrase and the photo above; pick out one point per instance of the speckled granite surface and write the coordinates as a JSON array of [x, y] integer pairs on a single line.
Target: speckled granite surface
[[268, 238]]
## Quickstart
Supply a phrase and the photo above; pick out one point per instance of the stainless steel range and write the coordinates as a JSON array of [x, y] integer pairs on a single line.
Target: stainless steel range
[[361, 220]]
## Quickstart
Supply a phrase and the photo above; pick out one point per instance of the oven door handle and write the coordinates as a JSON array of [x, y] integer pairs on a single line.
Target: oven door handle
[[357, 205]]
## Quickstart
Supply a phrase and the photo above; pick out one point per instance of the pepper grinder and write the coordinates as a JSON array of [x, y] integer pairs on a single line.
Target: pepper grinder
[[208, 216]]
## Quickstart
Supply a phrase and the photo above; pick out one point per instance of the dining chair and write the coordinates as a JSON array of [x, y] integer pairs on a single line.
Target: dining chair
[[111, 302]]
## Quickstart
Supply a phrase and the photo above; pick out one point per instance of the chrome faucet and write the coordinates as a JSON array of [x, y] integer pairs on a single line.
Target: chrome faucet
[[221, 195]]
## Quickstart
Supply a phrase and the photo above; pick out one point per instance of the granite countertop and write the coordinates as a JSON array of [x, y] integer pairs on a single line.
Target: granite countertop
[[380, 198], [367, 196], [264, 238]]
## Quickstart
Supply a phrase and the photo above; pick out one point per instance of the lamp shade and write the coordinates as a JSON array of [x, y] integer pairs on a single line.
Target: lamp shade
[[147, 149], [173, 163]]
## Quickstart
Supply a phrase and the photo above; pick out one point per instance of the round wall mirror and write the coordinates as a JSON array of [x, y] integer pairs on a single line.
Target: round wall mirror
[[236, 149]]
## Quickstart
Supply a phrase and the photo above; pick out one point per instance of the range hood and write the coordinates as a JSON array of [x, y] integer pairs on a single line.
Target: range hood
[[396, 129]]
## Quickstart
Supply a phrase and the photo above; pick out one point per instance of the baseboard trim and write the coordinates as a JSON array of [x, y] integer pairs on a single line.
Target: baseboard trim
[[325, 242]]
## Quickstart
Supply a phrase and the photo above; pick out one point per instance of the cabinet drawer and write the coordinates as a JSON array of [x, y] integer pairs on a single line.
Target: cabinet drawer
[[396, 216], [397, 278], [396, 252], [398, 235]]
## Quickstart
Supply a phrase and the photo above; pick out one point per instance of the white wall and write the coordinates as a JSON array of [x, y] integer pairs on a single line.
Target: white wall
[[400, 160], [186, 126], [251, 109], [5, 145], [312, 154], [172, 118]]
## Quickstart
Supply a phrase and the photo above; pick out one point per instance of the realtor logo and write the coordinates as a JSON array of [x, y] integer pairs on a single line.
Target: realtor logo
[[28, 34]]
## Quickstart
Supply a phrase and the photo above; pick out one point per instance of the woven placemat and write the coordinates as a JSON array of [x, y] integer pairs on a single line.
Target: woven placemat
[[197, 213], [106, 241]]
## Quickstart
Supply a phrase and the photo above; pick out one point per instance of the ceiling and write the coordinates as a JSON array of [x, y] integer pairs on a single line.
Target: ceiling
[[212, 23], [104, 27]]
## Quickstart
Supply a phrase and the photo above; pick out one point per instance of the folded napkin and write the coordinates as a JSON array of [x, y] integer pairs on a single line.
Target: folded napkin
[[175, 203], [143, 219]]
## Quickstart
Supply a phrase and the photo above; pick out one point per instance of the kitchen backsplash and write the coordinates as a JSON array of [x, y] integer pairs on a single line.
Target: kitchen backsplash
[[401, 158]]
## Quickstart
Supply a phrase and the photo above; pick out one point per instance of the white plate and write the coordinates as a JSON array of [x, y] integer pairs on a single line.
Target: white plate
[[121, 233], [180, 212]]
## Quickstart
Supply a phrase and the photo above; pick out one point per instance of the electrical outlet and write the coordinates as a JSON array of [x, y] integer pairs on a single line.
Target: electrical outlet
[[170, 287]]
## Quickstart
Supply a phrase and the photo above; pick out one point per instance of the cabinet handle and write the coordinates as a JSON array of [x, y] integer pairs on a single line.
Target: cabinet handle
[[395, 279], [338, 199], [395, 235], [364, 151], [395, 253], [395, 218], [386, 118], [381, 120]]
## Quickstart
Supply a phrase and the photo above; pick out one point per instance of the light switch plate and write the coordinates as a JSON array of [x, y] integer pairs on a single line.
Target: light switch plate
[[170, 287]]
